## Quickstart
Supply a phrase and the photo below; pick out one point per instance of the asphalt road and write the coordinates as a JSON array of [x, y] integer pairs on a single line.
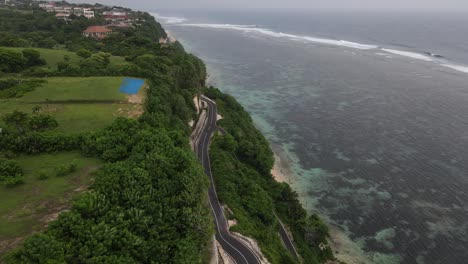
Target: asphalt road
[[286, 240], [239, 252]]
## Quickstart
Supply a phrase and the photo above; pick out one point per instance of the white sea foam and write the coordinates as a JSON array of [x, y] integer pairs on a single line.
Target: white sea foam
[[169, 20], [271, 33], [430, 57], [409, 54], [456, 67], [220, 26]]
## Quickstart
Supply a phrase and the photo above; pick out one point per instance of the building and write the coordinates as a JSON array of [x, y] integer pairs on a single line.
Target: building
[[78, 11], [70, 10], [115, 16], [88, 13], [98, 32], [63, 16], [67, 9], [49, 7]]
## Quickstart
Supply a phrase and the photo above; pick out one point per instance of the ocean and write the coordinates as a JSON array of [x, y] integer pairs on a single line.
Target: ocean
[[369, 110]]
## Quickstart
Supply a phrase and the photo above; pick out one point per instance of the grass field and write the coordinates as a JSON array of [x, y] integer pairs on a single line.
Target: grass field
[[54, 56], [78, 104], [94, 88], [16, 10], [29, 207]]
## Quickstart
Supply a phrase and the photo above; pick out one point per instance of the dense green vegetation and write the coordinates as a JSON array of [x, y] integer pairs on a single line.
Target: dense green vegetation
[[241, 164], [148, 202], [11, 173], [16, 88], [52, 57]]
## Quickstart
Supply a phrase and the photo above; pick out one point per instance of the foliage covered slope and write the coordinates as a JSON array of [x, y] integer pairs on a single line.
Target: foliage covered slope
[[148, 203]]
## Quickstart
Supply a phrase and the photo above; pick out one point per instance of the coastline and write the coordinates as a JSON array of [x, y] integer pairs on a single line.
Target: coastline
[[281, 170], [170, 37], [342, 246]]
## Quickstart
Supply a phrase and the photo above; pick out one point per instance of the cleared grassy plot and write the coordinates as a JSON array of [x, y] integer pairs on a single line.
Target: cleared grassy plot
[[79, 104], [29, 207], [54, 56], [78, 89], [77, 118]]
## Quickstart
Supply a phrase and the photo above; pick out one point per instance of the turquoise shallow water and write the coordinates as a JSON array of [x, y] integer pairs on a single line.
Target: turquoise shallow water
[[376, 143]]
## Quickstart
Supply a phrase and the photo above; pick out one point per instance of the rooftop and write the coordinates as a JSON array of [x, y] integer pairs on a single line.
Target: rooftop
[[97, 29]]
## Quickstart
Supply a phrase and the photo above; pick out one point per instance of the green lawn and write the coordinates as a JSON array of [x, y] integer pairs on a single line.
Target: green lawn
[[84, 104], [17, 10], [29, 207], [54, 56], [87, 88]]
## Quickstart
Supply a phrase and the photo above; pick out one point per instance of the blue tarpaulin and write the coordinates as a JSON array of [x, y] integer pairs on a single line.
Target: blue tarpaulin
[[131, 85]]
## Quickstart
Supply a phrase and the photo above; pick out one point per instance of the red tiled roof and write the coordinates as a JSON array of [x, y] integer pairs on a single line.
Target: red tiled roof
[[97, 29], [116, 16]]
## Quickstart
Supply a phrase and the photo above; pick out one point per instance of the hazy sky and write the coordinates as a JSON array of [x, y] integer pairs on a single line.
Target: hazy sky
[[461, 5]]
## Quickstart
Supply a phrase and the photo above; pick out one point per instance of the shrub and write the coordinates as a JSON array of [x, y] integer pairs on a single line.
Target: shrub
[[61, 170], [72, 166], [15, 88], [11, 173], [9, 169], [11, 61], [42, 122], [43, 175], [33, 57], [13, 181], [84, 53], [66, 169]]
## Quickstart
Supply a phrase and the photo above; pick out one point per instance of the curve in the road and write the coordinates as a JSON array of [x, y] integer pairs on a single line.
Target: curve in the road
[[237, 250], [287, 240]]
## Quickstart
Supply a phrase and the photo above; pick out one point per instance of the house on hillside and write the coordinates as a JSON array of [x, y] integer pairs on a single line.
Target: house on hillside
[[115, 16], [97, 32], [63, 16], [46, 5], [88, 13], [78, 11], [67, 9]]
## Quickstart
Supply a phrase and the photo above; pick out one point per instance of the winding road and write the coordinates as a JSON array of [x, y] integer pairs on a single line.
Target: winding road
[[239, 252], [287, 240]]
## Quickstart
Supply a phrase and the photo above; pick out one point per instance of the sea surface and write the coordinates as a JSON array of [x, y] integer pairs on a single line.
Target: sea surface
[[369, 109]]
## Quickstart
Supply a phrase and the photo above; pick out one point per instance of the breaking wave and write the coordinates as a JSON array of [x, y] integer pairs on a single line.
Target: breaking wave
[[169, 20], [424, 56], [456, 67], [409, 54], [271, 33]]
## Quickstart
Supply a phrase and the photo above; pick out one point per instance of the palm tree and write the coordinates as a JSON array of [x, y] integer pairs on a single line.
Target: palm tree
[[36, 109]]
